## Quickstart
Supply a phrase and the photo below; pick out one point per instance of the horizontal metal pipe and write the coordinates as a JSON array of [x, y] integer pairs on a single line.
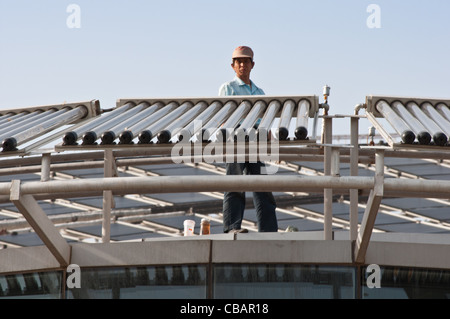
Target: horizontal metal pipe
[[89, 164], [181, 184], [18, 223], [258, 183], [417, 185]]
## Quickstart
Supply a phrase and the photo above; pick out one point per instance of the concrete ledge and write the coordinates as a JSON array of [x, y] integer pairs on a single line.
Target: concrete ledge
[[303, 248], [27, 259], [143, 253], [408, 255], [279, 251]]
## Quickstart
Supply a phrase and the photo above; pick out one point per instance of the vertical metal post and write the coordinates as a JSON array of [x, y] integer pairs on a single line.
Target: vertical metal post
[[335, 161], [354, 154], [328, 192], [45, 167], [107, 198]]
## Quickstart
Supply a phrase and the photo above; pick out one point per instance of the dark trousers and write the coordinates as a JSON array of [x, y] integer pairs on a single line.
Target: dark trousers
[[234, 202]]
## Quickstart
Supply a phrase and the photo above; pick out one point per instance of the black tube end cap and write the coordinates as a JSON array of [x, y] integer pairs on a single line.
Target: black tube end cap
[[301, 133], [164, 136], [108, 137], [282, 133], [9, 144], [126, 137], [440, 139], [145, 137], [408, 137], [89, 138], [70, 138], [424, 138]]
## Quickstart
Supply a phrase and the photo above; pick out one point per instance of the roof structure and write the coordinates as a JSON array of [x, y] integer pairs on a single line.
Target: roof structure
[[137, 171]]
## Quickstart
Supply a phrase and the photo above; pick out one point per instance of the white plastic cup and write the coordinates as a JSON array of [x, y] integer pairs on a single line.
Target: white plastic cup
[[189, 225]]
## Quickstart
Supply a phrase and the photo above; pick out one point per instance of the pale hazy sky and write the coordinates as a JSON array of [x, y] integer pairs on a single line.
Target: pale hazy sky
[[106, 50]]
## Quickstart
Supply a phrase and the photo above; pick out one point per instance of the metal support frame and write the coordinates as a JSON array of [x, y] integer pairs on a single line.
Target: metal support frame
[[370, 213], [108, 199], [354, 155], [328, 192], [45, 170], [41, 224]]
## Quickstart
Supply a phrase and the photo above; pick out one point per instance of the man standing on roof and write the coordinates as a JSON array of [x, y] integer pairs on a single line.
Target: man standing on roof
[[234, 202]]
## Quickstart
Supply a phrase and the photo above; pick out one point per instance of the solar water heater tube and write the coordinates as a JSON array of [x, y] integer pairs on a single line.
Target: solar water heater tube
[[225, 133], [149, 116], [9, 116], [282, 132], [214, 123], [441, 121], [246, 127], [423, 136], [439, 137], [147, 135], [397, 123], [90, 137], [196, 125], [37, 118], [177, 124], [110, 135], [59, 118], [267, 120], [444, 110], [70, 138], [19, 122], [301, 130], [16, 120]]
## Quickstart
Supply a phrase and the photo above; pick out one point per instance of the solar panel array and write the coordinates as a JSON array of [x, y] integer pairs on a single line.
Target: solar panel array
[[21, 126], [416, 121], [163, 121]]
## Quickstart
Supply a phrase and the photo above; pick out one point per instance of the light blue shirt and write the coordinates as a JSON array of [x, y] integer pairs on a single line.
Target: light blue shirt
[[238, 87]]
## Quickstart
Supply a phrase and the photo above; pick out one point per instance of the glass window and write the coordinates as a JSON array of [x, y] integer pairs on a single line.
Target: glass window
[[283, 281], [165, 282], [40, 285], [406, 283]]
